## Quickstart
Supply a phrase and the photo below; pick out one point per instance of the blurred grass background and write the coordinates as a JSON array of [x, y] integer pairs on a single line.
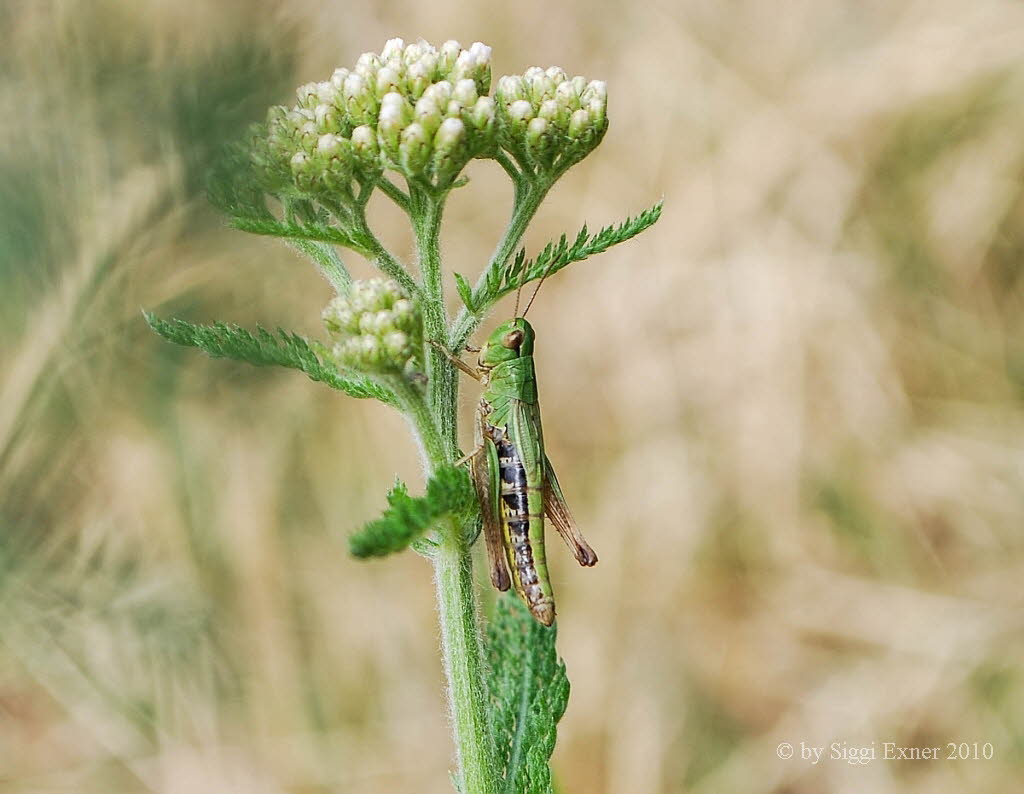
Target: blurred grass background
[[789, 418]]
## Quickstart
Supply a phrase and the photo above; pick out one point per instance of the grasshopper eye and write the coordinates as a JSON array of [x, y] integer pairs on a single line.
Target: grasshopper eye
[[513, 339]]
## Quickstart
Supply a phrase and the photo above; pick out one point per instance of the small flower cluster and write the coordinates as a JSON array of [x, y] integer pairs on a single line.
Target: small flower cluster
[[417, 109], [549, 119], [376, 327]]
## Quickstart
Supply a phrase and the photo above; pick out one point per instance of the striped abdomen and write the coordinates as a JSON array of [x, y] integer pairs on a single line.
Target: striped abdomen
[[522, 509]]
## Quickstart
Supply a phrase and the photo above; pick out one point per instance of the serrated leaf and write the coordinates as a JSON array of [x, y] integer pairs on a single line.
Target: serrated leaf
[[449, 492], [529, 691], [464, 290], [556, 255], [262, 349], [298, 231]]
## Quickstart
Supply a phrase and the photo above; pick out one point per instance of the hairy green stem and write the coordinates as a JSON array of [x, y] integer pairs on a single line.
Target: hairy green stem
[[433, 448], [464, 663], [442, 380], [435, 421]]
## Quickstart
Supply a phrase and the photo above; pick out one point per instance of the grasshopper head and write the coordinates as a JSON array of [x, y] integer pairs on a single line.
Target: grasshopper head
[[511, 339]]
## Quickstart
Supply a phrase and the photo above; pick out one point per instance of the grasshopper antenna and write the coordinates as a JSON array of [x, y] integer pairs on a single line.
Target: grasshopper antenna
[[547, 272], [519, 292]]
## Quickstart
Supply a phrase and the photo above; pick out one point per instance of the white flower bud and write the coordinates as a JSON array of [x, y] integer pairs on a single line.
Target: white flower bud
[[465, 93], [466, 62], [440, 93], [383, 322], [538, 141], [536, 130], [368, 64], [364, 143], [394, 111], [389, 134], [510, 89], [567, 96], [481, 52], [549, 109], [327, 119], [450, 151], [392, 49], [307, 95], [354, 86], [413, 52], [418, 78], [338, 78], [369, 350], [482, 115], [555, 74], [579, 123], [474, 64], [450, 134], [415, 149], [448, 55], [329, 145], [388, 80], [403, 310], [428, 114], [579, 83], [326, 93], [397, 344], [542, 88], [596, 89], [520, 110]]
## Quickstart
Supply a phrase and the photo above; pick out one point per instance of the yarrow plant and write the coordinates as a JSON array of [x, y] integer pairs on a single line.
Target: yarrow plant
[[406, 122]]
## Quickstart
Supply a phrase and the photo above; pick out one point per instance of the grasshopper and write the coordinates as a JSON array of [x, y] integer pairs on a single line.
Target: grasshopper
[[514, 480]]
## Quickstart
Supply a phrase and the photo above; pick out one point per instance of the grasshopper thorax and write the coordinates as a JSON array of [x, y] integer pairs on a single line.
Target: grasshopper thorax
[[510, 340]]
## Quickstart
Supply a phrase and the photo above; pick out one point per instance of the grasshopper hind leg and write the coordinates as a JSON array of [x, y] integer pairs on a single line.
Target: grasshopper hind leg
[[558, 511], [486, 480]]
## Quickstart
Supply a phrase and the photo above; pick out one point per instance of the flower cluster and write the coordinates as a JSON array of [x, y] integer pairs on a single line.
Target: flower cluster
[[549, 120], [414, 108], [376, 327]]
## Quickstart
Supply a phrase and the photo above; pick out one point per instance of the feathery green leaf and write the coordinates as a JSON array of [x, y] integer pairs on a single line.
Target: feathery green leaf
[[529, 692], [464, 290], [299, 231], [449, 492], [263, 348], [556, 256]]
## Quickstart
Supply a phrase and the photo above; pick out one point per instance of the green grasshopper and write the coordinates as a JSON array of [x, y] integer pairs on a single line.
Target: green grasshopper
[[514, 480]]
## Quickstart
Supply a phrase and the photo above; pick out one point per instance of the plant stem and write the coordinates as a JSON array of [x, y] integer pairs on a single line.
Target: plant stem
[[443, 384], [463, 663], [435, 420]]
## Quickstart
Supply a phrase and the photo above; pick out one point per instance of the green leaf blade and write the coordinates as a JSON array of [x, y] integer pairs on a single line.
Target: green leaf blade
[[465, 291], [263, 349], [314, 232], [407, 518], [529, 692]]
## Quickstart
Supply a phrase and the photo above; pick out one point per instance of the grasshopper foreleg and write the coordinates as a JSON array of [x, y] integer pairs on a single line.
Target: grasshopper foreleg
[[458, 362], [469, 455]]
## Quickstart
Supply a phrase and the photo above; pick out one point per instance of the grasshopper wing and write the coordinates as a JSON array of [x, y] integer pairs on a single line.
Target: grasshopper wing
[[485, 474], [558, 511]]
